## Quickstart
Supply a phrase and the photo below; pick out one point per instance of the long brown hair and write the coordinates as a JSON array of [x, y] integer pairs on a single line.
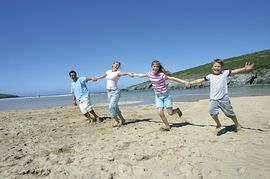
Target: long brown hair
[[161, 68]]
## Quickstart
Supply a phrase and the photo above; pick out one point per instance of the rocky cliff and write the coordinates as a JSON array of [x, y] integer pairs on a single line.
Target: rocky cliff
[[260, 75]]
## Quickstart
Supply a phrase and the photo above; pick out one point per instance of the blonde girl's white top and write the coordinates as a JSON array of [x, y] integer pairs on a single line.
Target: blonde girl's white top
[[112, 79]]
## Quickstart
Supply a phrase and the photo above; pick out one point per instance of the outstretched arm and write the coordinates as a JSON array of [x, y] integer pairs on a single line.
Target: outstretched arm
[[197, 81], [123, 74], [140, 75], [100, 77], [248, 66], [178, 80], [91, 78]]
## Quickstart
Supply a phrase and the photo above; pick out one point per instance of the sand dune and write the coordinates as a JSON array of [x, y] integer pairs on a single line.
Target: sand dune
[[59, 143]]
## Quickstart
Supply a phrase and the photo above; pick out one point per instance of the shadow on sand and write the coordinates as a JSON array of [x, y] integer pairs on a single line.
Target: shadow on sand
[[231, 128], [182, 124], [128, 121]]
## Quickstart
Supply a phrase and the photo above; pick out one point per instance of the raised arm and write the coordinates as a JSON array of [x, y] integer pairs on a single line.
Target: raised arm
[[248, 66], [140, 75], [178, 80]]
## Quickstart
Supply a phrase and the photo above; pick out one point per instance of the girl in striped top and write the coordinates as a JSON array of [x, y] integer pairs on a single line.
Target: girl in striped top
[[163, 99]]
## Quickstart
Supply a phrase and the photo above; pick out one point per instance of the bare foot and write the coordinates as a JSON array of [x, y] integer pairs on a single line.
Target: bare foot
[[165, 128], [91, 122], [116, 124], [122, 121], [179, 112], [238, 128], [98, 119], [218, 129]]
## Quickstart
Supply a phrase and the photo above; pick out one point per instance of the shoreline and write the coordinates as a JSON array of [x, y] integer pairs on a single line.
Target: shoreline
[[145, 97], [58, 142], [176, 99]]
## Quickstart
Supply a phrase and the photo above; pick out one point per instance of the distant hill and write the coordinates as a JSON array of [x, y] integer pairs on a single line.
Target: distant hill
[[260, 75], [7, 96]]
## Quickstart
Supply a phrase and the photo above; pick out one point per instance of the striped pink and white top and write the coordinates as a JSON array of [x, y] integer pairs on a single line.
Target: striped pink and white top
[[158, 82]]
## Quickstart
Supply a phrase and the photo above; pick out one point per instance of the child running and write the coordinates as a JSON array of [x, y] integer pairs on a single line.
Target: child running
[[219, 91], [163, 99]]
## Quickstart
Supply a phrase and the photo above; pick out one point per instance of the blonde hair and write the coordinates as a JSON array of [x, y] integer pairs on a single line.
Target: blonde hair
[[116, 61], [218, 61]]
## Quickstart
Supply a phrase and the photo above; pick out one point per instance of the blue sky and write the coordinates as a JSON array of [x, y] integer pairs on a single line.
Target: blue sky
[[41, 41]]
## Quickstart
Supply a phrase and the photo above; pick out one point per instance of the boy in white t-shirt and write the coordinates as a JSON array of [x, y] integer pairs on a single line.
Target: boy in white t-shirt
[[219, 91]]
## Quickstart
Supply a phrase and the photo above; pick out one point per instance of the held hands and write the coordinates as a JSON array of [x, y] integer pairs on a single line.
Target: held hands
[[91, 78], [94, 79], [188, 84], [248, 66], [131, 75]]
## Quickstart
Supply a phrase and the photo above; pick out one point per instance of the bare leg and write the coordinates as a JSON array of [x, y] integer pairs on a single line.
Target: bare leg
[[89, 117], [237, 125], [217, 121], [116, 123], [218, 127], [163, 118], [122, 120], [179, 112], [95, 115], [174, 111]]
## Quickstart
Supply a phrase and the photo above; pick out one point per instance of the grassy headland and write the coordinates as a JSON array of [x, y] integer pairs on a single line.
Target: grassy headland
[[7, 96], [261, 71], [261, 60]]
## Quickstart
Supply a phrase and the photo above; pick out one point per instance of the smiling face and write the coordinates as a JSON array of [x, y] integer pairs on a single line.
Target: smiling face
[[155, 68], [73, 76], [115, 66], [217, 68]]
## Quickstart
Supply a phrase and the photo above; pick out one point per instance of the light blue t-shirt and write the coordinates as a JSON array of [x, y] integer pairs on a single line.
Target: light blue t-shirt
[[79, 88]]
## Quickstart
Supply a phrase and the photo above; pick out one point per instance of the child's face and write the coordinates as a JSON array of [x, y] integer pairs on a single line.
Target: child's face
[[217, 68], [155, 68]]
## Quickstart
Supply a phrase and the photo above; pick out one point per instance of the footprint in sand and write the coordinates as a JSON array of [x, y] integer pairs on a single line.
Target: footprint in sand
[[36, 172], [242, 171], [187, 170]]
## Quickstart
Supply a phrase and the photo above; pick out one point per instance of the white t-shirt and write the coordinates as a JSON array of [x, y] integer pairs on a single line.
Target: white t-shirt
[[112, 79], [218, 84]]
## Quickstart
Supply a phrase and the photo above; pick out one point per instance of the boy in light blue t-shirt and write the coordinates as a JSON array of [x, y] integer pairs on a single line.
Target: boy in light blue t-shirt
[[219, 91]]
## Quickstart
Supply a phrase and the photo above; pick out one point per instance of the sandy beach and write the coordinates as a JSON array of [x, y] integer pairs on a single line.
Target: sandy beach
[[59, 143]]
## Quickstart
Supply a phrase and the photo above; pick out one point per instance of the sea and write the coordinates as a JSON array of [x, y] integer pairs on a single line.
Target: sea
[[133, 97]]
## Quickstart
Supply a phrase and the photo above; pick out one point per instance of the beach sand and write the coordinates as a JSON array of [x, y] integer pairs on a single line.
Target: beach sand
[[58, 142]]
